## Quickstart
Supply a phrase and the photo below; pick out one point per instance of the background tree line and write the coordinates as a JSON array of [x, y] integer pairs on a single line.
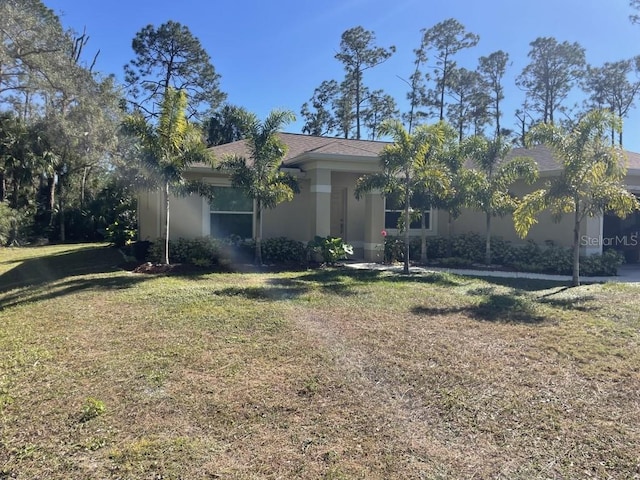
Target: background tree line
[[470, 98]]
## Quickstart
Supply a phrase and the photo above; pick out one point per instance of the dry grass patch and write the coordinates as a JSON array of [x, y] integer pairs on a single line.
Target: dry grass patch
[[327, 374]]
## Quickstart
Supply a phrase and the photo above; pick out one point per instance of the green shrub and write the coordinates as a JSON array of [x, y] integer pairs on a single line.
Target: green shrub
[[140, 249], [283, 250], [202, 252], [14, 224], [468, 245], [120, 234], [605, 264], [330, 249], [393, 249], [437, 247]]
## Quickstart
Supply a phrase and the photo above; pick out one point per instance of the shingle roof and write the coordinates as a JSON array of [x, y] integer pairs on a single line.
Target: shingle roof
[[543, 156], [301, 145], [540, 154]]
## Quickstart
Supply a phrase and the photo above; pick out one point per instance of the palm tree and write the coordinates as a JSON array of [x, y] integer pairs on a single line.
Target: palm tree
[[409, 168], [167, 150], [591, 178], [496, 176], [464, 183], [260, 176]]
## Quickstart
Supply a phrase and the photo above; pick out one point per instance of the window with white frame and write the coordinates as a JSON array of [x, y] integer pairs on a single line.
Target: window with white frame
[[394, 209], [231, 213]]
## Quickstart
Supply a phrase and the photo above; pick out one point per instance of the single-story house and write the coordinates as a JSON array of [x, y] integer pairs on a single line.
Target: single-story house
[[327, 170]]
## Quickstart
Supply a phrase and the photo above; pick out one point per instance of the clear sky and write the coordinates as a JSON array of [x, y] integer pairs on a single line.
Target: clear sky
[[274, 53]]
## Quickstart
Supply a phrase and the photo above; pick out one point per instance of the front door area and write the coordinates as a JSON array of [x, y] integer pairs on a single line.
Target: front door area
[[623, 235], [338, 227]]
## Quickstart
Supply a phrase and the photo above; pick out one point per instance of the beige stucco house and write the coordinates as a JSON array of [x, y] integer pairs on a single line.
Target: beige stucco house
[[327, 170]]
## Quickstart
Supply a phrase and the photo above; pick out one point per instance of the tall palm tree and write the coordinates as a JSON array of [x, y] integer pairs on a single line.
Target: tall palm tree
[[496, 176], [260, 176], [591, 179], [167, 149], [409, 167]]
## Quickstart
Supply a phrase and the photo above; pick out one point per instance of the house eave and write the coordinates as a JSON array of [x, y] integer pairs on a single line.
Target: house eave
[[336, 162]]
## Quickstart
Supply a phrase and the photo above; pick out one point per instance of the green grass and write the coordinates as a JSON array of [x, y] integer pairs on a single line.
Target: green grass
[[327, 374]]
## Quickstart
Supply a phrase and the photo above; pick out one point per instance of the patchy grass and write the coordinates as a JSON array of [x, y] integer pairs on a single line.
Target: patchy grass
[[328, 374]]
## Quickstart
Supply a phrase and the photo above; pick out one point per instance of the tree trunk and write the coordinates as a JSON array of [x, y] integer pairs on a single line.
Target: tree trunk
[[3, 187], [15, 194], [52, 197], [575, 278], [258, 255], [449, 229], [487, 250], [61, 219], [83, 186], [407, 223], [165, 243], [423, 238], [358, 105]]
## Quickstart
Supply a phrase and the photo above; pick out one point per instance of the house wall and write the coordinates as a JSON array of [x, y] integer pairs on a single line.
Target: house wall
[[185, 219], [545, 230], [309, 213], [290, 219], [301, 218], [149, 215]]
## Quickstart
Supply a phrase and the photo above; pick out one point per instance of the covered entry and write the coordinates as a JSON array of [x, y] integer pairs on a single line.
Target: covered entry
[[623, 235]]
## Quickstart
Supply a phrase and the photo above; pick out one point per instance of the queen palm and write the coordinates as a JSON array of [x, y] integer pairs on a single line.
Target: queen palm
[[260, 175], [591, 180], [410, 168], [167, 149]]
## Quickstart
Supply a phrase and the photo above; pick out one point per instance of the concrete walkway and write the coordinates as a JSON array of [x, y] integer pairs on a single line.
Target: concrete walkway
[[626, 273]]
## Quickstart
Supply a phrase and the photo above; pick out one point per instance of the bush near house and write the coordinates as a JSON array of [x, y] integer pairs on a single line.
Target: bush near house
[[208, 252], [467, 250], [201, 252], [329, 249]]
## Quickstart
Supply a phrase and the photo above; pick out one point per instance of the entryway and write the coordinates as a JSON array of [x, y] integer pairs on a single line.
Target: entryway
[[338, 227]]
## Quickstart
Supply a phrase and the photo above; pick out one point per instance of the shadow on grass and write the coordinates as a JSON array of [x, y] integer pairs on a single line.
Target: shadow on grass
[[30, 275], [353, 276], [34, 293], [278, 290], [333, 281], [526, 284], [514, 307]]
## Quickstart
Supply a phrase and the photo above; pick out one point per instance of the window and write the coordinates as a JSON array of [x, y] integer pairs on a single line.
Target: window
[[231, 213], [394, 209]]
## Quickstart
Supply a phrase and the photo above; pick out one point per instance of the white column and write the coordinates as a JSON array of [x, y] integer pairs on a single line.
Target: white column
[[593, 239], [320, 202], [373, 226]]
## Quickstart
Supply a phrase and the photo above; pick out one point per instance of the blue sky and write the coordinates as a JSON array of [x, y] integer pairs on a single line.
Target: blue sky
[[273, 53]]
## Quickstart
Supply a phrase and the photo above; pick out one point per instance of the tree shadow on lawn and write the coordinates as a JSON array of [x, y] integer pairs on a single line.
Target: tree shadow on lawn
[[334, 281], [574, 302], [31, 274], [494, 307], [278, 289], [516, 306], [349, 276], [74, 285]]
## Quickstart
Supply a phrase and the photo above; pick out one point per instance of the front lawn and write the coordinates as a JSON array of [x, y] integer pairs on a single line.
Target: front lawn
[[320, 374]]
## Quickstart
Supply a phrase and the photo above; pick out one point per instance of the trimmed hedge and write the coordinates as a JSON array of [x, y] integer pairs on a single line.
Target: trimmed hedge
[[468, 249]]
